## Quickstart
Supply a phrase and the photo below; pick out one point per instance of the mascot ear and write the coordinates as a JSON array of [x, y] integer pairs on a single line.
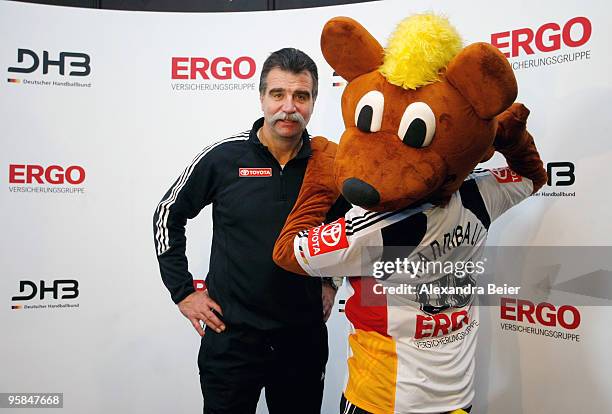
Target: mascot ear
[[484, 77], [349, 48]]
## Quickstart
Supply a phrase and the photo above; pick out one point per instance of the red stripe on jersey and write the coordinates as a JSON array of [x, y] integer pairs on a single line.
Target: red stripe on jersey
[[365, 309]]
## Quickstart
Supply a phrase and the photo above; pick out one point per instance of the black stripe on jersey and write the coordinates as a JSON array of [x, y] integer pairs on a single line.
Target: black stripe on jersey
[[360, 219], [360, 222], [479, 172], [472, 200], [407, 233], [382, 216], [367, 223]]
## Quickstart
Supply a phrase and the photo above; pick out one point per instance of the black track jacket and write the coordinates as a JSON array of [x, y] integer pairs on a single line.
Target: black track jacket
[[251, 197]]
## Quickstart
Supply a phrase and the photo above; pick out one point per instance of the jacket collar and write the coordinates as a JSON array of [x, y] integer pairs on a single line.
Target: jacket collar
[[304, 152]]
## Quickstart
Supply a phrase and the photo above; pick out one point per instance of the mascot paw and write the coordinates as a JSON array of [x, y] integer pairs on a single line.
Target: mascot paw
[[320, 170], [511, 126], [516, 144], [322, 146]]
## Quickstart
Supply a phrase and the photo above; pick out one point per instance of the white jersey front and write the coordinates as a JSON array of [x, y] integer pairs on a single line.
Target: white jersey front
[[411, 347]]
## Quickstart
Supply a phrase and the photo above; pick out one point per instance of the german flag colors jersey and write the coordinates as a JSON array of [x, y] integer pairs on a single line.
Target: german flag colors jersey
[[412, 351]]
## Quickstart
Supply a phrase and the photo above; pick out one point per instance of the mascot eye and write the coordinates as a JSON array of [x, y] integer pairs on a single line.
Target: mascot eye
[[368, 115], [418, 125]]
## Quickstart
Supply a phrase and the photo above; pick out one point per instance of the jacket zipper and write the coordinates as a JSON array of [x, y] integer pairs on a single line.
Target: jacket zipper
[[283, 190]]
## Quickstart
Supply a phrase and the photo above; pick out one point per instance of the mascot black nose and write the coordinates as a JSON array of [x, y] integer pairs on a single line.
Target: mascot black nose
[[360, 193]]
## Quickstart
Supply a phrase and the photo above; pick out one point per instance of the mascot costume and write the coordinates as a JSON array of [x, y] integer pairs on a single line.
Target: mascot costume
[[419, 116]]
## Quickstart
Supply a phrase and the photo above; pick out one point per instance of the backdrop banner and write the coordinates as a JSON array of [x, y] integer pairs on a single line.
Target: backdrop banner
[[101, 110]]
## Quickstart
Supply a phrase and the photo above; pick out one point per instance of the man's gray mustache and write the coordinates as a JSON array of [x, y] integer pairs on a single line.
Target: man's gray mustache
[[283, 116]]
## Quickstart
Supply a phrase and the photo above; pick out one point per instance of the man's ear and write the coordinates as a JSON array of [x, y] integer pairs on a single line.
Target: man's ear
[[484, 77], [349, 48]]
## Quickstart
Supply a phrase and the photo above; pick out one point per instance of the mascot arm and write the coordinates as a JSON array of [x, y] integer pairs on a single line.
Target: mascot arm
[[516, 144], [317, 194]]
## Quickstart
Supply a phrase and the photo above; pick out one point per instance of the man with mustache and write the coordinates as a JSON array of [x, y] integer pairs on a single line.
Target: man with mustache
[[266, 326]]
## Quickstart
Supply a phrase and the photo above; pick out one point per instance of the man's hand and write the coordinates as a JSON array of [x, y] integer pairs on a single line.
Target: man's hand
[[328, 294], [199, 307]]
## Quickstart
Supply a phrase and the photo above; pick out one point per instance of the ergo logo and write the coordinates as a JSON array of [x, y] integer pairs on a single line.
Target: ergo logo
[[221, 68], [548, 37], [545, 313], [68, 287], [440, 324], [53, 174], [47, 62]]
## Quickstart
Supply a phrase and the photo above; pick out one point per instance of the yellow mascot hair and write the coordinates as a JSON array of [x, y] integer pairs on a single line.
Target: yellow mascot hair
[[421, 46]]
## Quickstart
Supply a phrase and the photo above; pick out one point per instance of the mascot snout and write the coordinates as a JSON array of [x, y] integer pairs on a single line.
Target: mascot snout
[[360, 193]]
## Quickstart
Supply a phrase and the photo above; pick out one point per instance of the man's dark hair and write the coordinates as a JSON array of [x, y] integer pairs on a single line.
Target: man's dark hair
[[291, 60]]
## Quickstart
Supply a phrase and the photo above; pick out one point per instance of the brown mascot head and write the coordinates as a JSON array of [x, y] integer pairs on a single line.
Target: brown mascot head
[[419, 115]]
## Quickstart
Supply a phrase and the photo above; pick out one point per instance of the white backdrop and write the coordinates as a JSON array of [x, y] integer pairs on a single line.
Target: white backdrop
[[131, 127]]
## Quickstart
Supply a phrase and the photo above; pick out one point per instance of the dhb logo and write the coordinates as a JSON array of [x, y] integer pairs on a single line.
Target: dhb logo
[[560, 173], [68, 287], [80, 61]]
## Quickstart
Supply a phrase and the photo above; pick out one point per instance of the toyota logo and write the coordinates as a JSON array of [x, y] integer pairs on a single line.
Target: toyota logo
[[331, 234]]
